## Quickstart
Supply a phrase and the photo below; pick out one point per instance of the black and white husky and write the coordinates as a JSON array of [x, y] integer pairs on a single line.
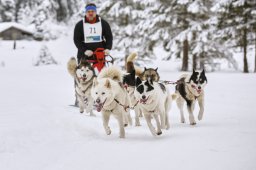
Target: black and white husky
[[190, 88], [83, 75], [154, 101]]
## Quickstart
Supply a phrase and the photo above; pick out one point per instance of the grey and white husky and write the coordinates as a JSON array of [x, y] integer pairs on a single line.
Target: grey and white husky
[[83, 74]]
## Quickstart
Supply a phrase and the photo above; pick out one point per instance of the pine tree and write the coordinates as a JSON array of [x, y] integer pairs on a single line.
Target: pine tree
[[8, 10], [236, 21]]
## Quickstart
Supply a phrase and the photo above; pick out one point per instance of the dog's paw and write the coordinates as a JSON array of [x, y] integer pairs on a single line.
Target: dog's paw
[[193, 123], [122, 136], [108, 131], [159, 133], [182, 120], [200, 116], [92, 114], [137, 124]]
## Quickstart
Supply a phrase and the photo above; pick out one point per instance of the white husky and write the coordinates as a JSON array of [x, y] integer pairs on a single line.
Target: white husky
[[110, 98], [155, 100]]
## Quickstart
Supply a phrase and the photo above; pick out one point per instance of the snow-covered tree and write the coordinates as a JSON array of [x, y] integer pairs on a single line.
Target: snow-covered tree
[[7, 11], [236, 21], [45, 57]]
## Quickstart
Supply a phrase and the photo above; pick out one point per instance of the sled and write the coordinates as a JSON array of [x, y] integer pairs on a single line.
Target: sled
[[100, 61]]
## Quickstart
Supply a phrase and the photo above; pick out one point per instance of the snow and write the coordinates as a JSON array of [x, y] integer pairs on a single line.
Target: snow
[[39, 130], [6, 25]]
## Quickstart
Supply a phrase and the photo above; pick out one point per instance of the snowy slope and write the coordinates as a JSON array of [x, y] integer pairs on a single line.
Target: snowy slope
[[39, 130]]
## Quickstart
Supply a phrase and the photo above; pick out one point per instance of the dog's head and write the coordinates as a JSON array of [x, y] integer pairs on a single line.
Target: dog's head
[[129, 81], [101, 91], [144, 90], [150, 74], [197, 81], [84, 72]]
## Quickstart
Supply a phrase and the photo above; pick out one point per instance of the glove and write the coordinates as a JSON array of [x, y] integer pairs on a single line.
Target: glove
[[88, 53], [106, 52]]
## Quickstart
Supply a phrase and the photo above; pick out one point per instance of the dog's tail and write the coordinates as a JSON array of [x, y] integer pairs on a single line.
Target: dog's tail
[[112, 72], [130, 64], [71, 66]]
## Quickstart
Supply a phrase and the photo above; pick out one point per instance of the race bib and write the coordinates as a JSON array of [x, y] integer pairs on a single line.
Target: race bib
[[92, 32]]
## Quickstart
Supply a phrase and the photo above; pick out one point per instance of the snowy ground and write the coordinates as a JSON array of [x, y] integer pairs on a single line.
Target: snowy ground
[[39, 130]]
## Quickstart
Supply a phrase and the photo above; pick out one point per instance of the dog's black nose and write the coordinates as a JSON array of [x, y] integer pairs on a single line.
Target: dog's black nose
[[84, 75], [199, 87], [143, 97], [98, 101]]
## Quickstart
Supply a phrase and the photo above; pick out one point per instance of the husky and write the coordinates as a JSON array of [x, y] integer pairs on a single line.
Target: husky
[[110, 98], [155, 101], [190, 88], [83, 74], [144, 74], [129, 85]]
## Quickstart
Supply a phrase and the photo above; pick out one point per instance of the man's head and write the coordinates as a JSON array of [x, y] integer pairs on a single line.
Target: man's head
[[90, 11]]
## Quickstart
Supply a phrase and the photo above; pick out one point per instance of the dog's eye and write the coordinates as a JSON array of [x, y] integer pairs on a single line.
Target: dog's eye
[[103, 93]]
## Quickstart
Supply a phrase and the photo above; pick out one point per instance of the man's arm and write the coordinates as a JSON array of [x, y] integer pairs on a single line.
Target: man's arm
[[107, 33], [79, 37]]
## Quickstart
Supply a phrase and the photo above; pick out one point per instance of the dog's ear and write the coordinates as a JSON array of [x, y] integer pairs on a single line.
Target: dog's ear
[[95, 82], [138, 81], [107, 84], [194, 70], [156, 69], [203, 72], [145, 68]]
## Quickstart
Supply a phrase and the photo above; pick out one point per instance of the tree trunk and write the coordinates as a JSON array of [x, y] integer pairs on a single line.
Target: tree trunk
[[255, 53], [202, 60], [194, 62], [245, 50], [14, 45], [185, 56]]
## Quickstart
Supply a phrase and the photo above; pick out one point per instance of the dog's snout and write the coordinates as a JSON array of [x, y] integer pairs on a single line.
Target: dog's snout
[[143, 97], [84, 75], [199, 87], [97, 100]]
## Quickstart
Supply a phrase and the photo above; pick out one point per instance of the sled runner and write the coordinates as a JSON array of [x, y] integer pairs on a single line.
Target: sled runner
[[100, 60]]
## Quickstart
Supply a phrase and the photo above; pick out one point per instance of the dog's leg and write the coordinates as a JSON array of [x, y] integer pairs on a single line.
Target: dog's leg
[[137, 119], [140, 113], [129, 118], [150, 126], [105, 117], [125, 119], [81, 104], [159, 132], [190, 111], [121, 125], [89, 108], [162, 119], [201, 106], [180, 103], [167, 122]]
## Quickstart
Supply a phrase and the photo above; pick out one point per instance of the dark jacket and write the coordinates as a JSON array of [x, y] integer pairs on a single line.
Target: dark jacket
[[79, 38]]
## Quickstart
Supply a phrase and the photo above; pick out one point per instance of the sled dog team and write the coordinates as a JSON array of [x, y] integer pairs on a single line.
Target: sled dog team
[[114, 92]]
